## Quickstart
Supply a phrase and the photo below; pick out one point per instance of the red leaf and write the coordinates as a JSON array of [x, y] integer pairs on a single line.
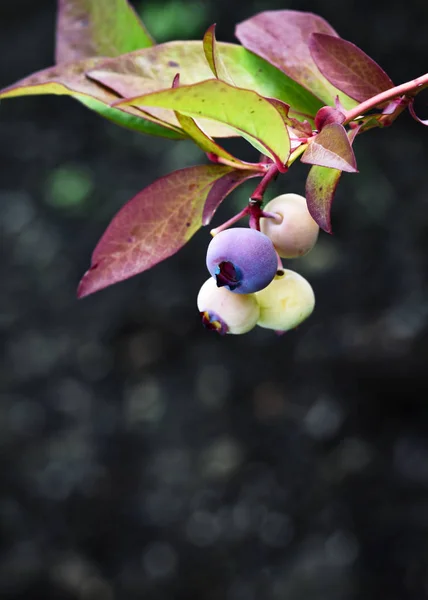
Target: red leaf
[[157, 222], [282, 38], [327, 115], [347, 67], [321, 185], [222, 188], [331, 148]]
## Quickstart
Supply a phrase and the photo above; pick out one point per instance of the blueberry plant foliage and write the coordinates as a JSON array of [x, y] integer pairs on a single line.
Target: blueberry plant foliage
[[293, 89]]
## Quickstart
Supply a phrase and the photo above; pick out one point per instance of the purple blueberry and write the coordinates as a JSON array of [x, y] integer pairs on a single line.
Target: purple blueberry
[[241, 259]]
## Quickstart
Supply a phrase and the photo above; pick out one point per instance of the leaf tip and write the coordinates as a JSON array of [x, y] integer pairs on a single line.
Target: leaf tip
[[88, 285]]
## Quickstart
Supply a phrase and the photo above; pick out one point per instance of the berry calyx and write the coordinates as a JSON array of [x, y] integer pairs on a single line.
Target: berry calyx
[[225, 312], [242, 260], [286, 302], [295, 232]]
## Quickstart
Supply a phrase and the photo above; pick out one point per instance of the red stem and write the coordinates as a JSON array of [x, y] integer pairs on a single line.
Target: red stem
[[244, 212], [271, 174], [410, 87]]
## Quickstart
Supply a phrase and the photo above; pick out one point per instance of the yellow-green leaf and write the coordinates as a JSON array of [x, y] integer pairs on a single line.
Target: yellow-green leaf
[[248, 113]]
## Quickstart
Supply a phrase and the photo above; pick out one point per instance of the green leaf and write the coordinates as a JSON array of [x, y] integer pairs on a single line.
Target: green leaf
[[157, 222], [155, 68], [88, 28], [70, 80], [213, 56], [248, 113], [347, 67], [206, 143], [321, 185], [331, 148], [282, 38]]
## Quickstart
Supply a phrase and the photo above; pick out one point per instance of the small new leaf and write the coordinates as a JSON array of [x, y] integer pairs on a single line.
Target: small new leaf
[[282, 38], [213, 56], [327, 115], [331, 148], [321, 185], [249, 114], [88, 28], [347, 67], [157, 222]]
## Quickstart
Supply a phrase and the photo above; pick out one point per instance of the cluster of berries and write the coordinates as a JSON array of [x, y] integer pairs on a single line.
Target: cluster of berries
[[248, 285]]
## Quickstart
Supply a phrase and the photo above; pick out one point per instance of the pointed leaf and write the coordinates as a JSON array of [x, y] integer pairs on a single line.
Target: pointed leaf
[[88, 28], [223, 187], [154, 68], [282, 38], [70, 80], [331, 148], [213, 56], [206, 143], [251, 115], [347, 67], [156, 223], [321, 185]]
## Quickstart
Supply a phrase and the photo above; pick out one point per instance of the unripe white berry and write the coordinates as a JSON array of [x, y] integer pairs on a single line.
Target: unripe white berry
[[286, 302], [297, 232], [226, 312]]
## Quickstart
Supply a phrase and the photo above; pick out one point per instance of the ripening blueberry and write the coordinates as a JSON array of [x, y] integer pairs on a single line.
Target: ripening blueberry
[[286, 302], [225, 312], [296, 233], [241, 259]]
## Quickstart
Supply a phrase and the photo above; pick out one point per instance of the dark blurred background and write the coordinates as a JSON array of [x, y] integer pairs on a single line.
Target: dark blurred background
[[144, 457]]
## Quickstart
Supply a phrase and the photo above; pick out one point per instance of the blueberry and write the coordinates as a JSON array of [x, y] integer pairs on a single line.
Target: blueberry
[[286, 302], [295, 232], [225, 312], [242, 260]]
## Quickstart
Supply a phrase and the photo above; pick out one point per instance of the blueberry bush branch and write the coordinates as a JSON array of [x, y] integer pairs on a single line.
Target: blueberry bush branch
[[294, 91], [404, 93]]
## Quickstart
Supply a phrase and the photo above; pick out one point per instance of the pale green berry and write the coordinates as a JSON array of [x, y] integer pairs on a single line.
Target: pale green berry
[[286, 302], [295, 233], [226, 312]]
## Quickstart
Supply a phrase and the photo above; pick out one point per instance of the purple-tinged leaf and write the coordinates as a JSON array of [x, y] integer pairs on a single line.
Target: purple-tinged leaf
[[282, 38], [213, 56], [415, 116], [154, 69], [331, 148], [207, 144], [321, 185], [88, 28], [249, 114], [70, 80], [157, 222], [347, 67], [327, 115], [223, 187]]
